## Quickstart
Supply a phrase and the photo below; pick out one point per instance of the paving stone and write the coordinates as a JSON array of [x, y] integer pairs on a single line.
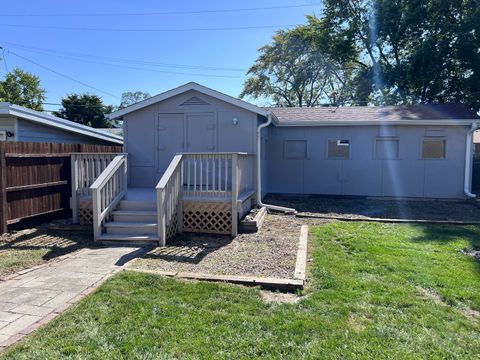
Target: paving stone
[[18, 325], [5, 306], [26, 309], [8, 316]]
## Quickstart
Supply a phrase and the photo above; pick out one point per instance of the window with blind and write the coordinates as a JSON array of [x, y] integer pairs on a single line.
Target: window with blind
[[434, 148], [338, 149], [386, 148]]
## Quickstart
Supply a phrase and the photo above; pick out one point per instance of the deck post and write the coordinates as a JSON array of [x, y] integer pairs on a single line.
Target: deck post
[[3, 190], [234, 194], [97, 224], [162, 231], [180, 200], [74, 180]]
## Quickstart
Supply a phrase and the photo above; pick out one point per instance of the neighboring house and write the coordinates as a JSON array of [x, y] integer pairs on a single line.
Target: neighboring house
[[18, 123], [476, 144], [422, 151]]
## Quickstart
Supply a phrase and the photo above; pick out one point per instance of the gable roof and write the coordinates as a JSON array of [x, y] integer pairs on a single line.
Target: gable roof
[[56, 122], [187, 87], [415, 114]]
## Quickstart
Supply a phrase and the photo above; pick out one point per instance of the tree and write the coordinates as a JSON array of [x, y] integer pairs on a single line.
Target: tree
[[294, 71], [22, 88], [407, 51], [86, 109], [130, 98]]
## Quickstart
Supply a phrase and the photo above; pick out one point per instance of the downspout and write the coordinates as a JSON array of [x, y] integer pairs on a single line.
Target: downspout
[[468, 162], [259, 171]]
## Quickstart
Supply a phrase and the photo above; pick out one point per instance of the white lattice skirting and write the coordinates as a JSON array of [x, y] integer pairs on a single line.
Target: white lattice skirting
[[207, 217], [85, 212]]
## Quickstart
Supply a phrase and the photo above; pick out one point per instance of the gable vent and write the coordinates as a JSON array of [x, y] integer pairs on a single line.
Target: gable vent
[[194, 100]]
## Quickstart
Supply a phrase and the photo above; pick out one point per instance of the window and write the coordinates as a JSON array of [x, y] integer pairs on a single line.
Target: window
[[3, 136], [434, 148], [339, 149], [386, 148], [295, 149]]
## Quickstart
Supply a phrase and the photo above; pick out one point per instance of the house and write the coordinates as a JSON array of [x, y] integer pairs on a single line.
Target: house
[[18, 123], [199, 159]]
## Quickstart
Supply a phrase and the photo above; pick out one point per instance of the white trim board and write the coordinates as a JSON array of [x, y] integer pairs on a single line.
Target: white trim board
[[182, 89]]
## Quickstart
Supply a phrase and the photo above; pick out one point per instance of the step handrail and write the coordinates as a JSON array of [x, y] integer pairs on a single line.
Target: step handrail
[[170, 199], [107, 191]]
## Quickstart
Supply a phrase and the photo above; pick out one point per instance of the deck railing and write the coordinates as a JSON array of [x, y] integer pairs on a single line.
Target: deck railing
[[169, 200], [107, 191], [85, 169]]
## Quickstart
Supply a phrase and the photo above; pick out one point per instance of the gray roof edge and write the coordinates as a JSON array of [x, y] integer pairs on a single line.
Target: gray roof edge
[[54, 121]]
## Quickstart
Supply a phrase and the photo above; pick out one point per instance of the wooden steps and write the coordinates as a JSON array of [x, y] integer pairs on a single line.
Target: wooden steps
[[134, 222]]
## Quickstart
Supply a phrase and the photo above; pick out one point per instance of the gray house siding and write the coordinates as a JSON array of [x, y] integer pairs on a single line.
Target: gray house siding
[[8, 124], [189, 122], [30, 131], [364, 173]]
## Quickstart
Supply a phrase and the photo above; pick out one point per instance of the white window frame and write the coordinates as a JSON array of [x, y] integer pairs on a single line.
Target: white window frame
[[339, 143], [440, 138], [3, 135], [386, 138], [285, 153]]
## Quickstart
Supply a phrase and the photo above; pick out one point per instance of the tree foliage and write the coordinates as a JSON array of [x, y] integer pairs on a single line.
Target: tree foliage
[[132, 97], [22, 88], [293, 71], [396, 52], [86, 109]]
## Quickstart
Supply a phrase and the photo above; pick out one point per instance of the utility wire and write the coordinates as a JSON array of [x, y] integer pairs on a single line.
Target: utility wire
[[147, 30], [177, 12], [63, 75], [124, 60], [4, 59], [136, 67]]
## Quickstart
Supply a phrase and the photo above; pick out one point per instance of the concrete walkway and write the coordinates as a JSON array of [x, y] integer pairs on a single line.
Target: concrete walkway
[[32, 298]]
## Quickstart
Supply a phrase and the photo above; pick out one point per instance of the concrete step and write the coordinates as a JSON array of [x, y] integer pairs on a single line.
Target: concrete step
[[135, 216], [131, 227], [137, 205], [128, 239]]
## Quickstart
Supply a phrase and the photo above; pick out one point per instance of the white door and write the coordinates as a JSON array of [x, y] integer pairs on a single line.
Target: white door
[[171, 137]]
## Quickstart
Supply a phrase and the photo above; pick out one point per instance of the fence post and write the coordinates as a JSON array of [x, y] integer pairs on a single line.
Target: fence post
[[74, 181], [3, 190], [234, 194]]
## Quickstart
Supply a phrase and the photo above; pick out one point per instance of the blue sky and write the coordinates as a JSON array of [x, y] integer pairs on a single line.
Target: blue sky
[[232, 49]]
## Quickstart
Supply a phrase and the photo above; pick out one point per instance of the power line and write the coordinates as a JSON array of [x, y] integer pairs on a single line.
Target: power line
[[63, 75], [137, 68], [147, 30], [124, 60], [178, 12], [4, 59]]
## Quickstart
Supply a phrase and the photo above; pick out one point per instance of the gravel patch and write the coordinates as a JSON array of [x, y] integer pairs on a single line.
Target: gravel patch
[[358, 208], [271, 252]]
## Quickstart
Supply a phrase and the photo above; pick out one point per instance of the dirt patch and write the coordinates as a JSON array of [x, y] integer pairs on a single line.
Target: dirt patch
[[437, 298], [358, 208], [271, 252]]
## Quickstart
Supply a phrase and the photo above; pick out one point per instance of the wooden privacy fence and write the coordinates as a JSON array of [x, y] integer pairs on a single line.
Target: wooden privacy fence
[[35, 178]]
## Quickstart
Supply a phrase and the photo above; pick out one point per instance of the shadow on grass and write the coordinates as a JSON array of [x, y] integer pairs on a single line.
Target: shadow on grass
[[189, 248], [57, 242]]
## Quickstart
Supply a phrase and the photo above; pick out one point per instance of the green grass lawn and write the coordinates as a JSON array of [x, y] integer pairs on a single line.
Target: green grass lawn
[[378, 291]]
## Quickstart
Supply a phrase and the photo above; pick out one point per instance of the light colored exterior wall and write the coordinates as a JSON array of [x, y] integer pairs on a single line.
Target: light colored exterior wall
[[8, 124], [142, 133], [363, 174], [30, 131]]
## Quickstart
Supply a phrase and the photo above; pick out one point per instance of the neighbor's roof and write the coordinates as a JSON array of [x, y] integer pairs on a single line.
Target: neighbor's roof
[[415, 114], [184, 88], [56, 122]]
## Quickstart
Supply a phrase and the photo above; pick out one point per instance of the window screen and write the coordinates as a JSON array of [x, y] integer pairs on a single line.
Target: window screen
[[434, 148], [3, 136], [386, 148], [339, 149], [295, 149]]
